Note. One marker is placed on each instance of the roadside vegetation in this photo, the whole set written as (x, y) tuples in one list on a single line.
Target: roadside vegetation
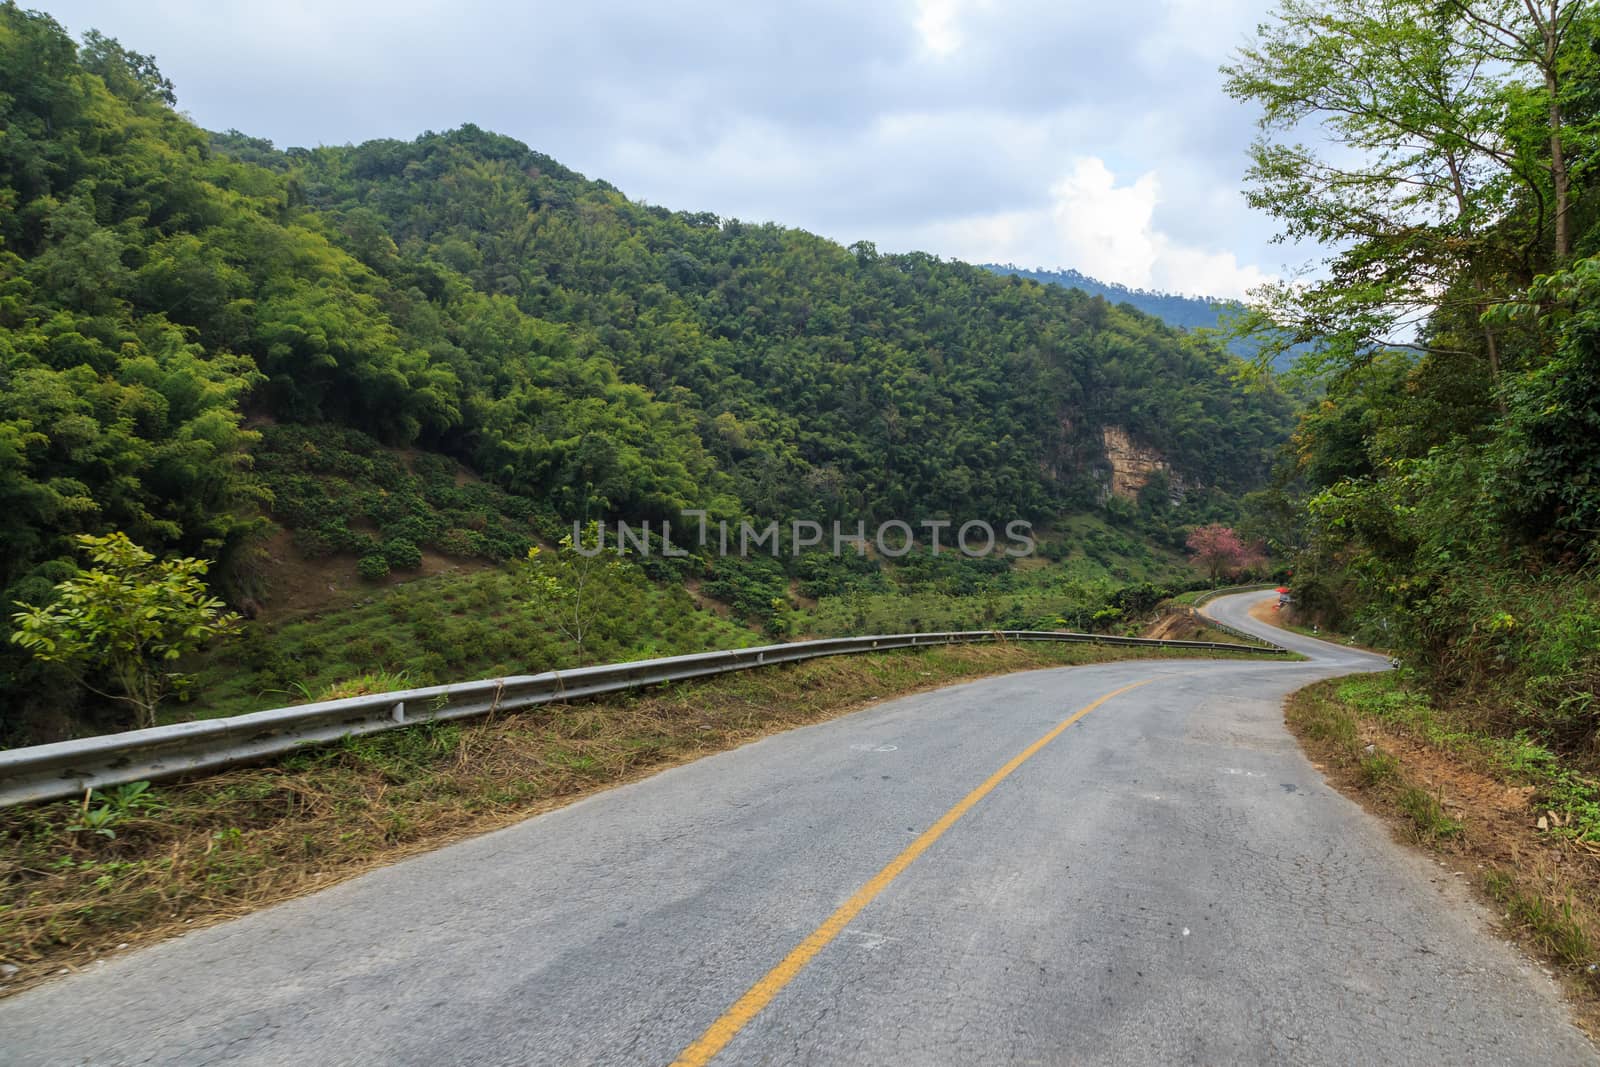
[(488, 622), (452, 627), (1440, 498), (554, 609), (1513, 817), (81, 879)]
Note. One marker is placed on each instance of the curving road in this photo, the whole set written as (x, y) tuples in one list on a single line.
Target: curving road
[(983, 874)]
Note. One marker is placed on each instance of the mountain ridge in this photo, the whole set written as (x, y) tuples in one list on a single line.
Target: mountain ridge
[(1175, 309)]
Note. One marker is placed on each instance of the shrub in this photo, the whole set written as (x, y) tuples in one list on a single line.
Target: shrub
[(461, 544), (402, 553), (128, 616), (373, 568)]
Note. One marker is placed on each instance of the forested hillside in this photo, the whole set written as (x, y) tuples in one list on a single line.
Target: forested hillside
[(457, 344), (819, 379)]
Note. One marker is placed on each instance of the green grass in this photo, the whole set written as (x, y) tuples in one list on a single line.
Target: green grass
[(1427, 816), (1378, 768), (1554, 926), (452, 627), (1327, 722), (1332, 725), (1093, 549)]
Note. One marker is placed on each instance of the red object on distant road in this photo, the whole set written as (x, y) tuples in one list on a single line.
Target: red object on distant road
[(1282, 589)]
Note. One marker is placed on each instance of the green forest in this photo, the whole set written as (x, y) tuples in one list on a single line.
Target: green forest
[(455, 347)]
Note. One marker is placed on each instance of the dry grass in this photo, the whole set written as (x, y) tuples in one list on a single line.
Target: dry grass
[(200, 851), (1462, 806)]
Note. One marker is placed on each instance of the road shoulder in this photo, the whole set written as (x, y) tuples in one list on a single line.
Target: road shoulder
[(1488, 830)]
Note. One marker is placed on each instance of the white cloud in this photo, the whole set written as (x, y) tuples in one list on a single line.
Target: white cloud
[(1105, 230), (1205, 29), (935, 23), (938, 24)]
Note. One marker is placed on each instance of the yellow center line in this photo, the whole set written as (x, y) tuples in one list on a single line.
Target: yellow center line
[(747, 1007)]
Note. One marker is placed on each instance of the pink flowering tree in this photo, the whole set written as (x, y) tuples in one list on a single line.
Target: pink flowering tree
[(1218, 551)]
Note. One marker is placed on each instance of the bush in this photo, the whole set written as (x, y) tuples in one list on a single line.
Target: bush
[(402, 554), (462, 544), (373, 568), (754, 587), (405, 517)]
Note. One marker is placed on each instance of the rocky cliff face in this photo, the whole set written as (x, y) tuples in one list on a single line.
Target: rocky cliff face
[(1132, 465)]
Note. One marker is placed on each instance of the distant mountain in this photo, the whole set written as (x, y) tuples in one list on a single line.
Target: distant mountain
[(1184, 312)]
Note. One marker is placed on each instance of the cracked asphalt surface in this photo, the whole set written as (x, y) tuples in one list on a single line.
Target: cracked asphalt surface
[(1169, 881)]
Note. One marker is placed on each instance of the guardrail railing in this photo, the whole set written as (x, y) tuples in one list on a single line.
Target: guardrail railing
[(1228, 590), (68, 768)]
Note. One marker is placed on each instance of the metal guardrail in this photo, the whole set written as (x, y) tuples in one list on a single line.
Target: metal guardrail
[(1229, 590), (68, 768)]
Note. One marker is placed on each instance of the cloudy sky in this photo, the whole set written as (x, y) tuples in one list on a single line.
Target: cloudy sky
[(1062, 133)]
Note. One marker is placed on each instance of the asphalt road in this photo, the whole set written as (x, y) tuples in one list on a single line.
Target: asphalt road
[(1165, 880)]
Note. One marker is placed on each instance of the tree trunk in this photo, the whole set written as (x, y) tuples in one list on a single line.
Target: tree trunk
[(1559, 179), (1493, 347), (1558, 176)]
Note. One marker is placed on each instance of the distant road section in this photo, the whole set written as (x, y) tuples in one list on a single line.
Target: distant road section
[(1125, 863)]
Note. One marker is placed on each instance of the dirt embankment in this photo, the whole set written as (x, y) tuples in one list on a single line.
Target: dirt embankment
[(1179, 625)]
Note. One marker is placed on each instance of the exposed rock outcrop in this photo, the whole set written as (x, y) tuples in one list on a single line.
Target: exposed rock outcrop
[(1132, 466)]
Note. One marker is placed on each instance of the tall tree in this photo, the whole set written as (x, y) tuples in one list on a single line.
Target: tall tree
[(1536, 35), (1427, 165)]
